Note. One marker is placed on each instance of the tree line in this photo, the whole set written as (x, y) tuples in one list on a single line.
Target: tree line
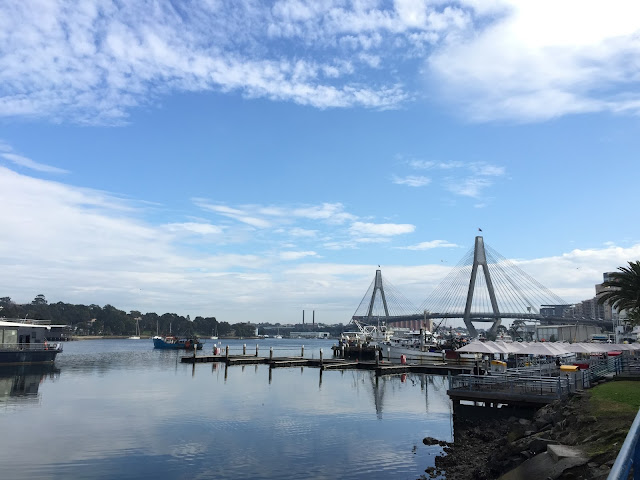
[(108, 320)]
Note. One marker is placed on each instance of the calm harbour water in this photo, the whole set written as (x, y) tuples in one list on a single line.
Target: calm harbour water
[(119, 408)]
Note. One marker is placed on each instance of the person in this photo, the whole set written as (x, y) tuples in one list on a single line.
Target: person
[(476, 369), (558, 362)]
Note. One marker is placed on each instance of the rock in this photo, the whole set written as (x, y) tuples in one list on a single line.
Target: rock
[(430, 441)]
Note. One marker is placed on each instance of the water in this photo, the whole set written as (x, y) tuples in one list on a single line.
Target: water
[(119, 408)]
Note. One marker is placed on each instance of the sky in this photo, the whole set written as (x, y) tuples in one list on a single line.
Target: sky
[(250, 159)]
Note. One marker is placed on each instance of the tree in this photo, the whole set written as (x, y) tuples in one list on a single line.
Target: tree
[(39, 300), (623, 291)]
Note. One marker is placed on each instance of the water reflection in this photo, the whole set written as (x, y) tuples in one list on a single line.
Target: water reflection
[(23, 381), (123, 410)]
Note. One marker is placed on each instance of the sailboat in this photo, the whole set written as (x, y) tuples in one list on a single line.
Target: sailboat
[(214, 337), (137, 335)]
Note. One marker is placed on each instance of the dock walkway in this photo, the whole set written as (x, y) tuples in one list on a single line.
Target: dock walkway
[(381, 367), (518, 389)]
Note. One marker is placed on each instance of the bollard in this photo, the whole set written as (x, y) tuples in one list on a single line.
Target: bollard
[(389, 354), (302, 352), (342, 351), (226, 352), (244, 348), (320, 356), (271, 354), (377, 357), (256, 349)]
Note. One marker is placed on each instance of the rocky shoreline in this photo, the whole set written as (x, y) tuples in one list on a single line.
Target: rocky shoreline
[(489, 444)]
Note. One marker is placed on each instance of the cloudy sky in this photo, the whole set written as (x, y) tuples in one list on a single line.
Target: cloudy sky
[(251, 159)]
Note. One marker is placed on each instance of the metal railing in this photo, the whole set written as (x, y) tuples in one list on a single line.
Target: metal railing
[(30, 346), (512, 383), (629, 455), (630, 365)]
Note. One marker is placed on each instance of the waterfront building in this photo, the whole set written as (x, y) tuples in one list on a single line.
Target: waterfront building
[(565, 333)]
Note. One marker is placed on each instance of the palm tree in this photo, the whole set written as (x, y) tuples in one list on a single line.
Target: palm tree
[(623, 290)]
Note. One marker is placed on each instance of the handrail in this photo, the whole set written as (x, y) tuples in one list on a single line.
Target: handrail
[(629, 455), (30, 346)]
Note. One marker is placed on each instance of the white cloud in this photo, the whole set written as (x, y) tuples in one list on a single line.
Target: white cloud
[(468, 187), (523, 60), (474, 177), (303, 232), (28, 163), (385, 229), (237, 214), (431, 244), (97, 249), (428, 165), (536, 60), (412, 181), (291, 255), (193, 227)]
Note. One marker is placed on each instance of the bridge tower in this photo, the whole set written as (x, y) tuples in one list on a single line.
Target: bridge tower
[(480, 259), (377, 287)]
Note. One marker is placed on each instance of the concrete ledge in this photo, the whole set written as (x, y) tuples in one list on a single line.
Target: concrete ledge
[(558, 452)]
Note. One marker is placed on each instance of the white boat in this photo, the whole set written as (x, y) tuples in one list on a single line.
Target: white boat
[(137, 335), (25, 343), (415, 346), (366, 334), (214, 337)]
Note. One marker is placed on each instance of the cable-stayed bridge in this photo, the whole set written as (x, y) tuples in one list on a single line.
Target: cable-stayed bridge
[(483, 287)]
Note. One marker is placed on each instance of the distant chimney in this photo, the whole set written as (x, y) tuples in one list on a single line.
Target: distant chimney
[(313, 318), (303, 318)]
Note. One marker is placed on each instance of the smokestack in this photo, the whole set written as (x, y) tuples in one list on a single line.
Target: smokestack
[(313, 318), (303, 318)]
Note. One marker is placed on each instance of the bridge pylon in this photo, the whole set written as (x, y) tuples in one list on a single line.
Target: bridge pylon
[(480, 260), (377, 287)]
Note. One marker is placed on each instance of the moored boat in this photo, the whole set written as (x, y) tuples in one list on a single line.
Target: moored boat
[(174, 343), (25, 343)]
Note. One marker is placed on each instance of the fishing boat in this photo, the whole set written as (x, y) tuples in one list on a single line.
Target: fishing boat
[(420, 347), (175, 343), (25, 344), (416, 346)]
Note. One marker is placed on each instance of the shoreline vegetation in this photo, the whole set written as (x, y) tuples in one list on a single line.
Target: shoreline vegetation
[(146, 337), (594, 422)]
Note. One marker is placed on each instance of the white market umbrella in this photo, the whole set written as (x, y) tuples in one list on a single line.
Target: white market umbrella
[(539, 349), (577, 348), (559, 347), (479, 347), (510, 347)]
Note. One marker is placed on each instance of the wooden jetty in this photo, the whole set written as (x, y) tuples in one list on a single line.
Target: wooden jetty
[(381, 367)]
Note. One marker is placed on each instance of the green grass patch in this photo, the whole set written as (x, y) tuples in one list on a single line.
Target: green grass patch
[(616, 398)]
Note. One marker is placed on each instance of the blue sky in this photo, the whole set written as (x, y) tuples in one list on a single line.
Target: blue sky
[(251, 159)]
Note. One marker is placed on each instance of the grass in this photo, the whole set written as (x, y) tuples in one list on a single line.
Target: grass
[(616, 398), (615, 405)]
